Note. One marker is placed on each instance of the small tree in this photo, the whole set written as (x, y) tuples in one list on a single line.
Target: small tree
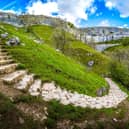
[(60, 37)]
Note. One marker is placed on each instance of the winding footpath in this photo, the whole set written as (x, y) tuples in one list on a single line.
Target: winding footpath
[(114, 97), (23, 81)]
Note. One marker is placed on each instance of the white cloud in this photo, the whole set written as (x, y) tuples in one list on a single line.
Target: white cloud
[(109, 4), (39, 8), (121, 5), (104, 23), (72, 11), (124, 26)]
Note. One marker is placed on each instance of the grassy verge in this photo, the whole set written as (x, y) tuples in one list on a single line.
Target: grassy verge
[(59, 113)]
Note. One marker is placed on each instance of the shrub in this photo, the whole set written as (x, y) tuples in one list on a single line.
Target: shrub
[(5, 104), (51, 123), (125, 41), (120, 72), (27, 99)]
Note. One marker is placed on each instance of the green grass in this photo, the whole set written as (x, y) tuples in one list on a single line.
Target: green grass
[(74, 48), (45, 33), (50, 65), (42, 32), (83, 53)]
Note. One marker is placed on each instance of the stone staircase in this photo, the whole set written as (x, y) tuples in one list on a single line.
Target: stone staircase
[(26, 82), (20, 79)]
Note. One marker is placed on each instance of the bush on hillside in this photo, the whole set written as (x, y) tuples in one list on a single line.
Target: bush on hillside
[(125, 42), (120, 72)]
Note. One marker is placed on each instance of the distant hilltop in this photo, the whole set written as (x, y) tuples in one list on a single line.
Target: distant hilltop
[(89, 34), (26, 19)]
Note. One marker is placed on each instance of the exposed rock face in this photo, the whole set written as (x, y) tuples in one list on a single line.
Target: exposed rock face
[(25, 19), (87, 35)]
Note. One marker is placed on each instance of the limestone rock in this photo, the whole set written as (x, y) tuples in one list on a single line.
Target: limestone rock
[(91, 63), (4, 36), (100, 92), (13, 41)]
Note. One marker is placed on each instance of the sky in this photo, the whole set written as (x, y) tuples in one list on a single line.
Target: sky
[(82, 13)]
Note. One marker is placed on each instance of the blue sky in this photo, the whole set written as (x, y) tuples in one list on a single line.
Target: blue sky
[(82, 13)]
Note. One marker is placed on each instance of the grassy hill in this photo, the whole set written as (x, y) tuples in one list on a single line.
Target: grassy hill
[(83, 53), (77, 50), (51, 65)]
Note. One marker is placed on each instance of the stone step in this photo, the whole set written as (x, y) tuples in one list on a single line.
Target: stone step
[(3, 53), (26, 81), (8, 68), (35, 88), (2, 45), (4, 62), (3, 50), (14, 77), (5, 57)]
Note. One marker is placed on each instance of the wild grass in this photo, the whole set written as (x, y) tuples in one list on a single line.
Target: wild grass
[(50, 65)]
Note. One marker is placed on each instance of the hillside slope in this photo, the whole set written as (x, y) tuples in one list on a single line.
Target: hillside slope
[(73, 48), (50, 65)]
